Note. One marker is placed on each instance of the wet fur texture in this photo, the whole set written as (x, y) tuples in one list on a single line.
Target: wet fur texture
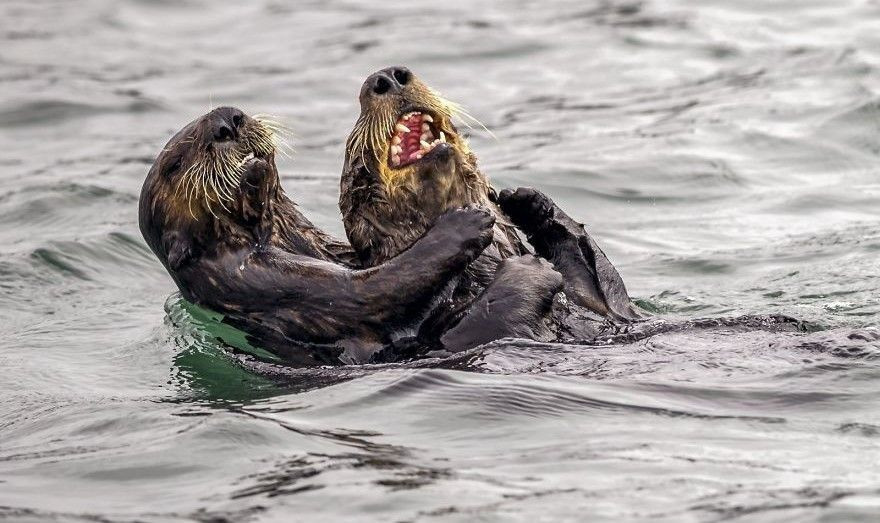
[(262, 264), (300, 293), (384, 210), (591, 281)]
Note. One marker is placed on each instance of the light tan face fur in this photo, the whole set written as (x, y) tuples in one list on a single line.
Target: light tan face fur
[(395, 134), (206, 174)]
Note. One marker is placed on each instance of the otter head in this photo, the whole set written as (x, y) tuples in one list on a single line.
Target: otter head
[(192, 196), (405, 137)]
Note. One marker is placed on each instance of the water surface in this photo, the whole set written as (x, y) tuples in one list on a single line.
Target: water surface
[(725, 155)]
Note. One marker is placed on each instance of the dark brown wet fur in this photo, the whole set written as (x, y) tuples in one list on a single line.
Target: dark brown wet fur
[(384, 209), (257, 260), (591, 281)]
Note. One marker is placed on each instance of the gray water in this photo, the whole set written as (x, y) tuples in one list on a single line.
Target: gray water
[(724, 154)]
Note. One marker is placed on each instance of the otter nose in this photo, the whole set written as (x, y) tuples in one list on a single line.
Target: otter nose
[(389, 81), (226, 123), (223, 131)]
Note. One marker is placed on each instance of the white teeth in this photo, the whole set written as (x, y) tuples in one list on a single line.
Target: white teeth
[(246, 159), (427, 141)]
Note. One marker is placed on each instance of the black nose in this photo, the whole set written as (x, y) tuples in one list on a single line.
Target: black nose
[(390, 80), (223, 131), (226, 122)]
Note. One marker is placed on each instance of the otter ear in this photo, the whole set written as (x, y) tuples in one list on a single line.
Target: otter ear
[(178, 251)]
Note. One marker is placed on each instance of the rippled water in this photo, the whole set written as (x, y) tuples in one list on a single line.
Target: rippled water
[(725, 154)]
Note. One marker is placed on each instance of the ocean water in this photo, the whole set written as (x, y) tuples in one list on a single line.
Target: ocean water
[(725, 154)]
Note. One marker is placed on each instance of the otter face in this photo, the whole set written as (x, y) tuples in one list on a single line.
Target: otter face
[(195, 182), (204, 162), (405, 131)]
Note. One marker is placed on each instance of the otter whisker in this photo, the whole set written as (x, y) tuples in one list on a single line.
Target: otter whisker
[(223, 192), (266, 117), (277, 131), (371, 131), (205, 189), (465, 117), (276, 127), (207, 194), (216, 176), (285, 149), (277, 142), (239, 164), (222, 199), (228, 176), (188, 180), (273, 135)]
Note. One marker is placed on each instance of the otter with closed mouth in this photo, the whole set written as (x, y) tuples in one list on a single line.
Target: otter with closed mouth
[(406, 163), (214, 213)]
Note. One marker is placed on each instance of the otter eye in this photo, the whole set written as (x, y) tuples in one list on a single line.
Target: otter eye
[(175, 166), (402, 76)]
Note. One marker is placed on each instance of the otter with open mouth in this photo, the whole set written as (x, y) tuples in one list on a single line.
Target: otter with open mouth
[(406, 163), (214, 213)]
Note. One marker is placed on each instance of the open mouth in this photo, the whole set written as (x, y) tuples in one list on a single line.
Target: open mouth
[(246, 159), (415, 136), (252, 156)]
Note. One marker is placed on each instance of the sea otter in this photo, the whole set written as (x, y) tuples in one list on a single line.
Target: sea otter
[(213, 212), (406, 164)]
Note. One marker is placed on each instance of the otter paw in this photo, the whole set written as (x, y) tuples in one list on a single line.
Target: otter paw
[(255, 189), (529, 208), (256, 172), (472, 227)]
